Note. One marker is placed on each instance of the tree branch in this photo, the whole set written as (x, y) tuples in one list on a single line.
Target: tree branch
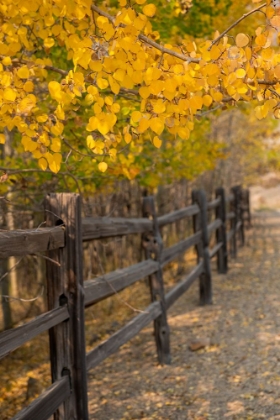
[(149, 41), (215, 41)]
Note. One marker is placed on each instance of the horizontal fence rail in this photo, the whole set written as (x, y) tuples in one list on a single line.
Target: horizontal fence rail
[(30, 241), (69, 295), (45, 405), (14, 338)]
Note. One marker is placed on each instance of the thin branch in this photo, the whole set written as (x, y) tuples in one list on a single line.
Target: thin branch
[(215, 41), (149, 41), (23, 300), (18, 171), (11, 269), (114, 290), (46, 258)]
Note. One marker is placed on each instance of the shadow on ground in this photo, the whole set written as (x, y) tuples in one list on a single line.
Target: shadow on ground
[(236, 377)]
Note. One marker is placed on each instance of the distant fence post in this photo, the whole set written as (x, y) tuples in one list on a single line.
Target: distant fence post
[(246, 207), (221, 235), (65, 287), (152, 244), (241, 214), (200, 223), (234, 221)]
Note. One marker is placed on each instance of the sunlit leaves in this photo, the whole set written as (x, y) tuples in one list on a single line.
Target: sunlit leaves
[(123, 86)]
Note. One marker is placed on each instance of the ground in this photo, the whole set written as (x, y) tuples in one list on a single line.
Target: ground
[(236, 376)]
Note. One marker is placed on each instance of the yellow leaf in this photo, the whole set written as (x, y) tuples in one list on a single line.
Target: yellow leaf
[(23, 72), (159, 107), (2, 138), (57, 129), (144, 92), (7, 61), (103, 127), (157, 125), (49, 42), (55, 90), (42, 118), (240, 73), (196, 102), (275, 21), (149, 10), (90, 142), (136, 116), (102, 83), (28, 86), (56, 144), (102, 166), (207, 100), (157, 142), (43, 164), (9, 94), (143, 126), (241, 40), (127, 138), (56, 163)]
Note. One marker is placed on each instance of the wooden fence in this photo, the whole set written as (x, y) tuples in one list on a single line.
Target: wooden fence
[(68, 294)]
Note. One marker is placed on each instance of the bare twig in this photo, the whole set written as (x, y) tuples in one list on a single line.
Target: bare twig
[(46, 258), (11, 269), (22, 299), (114, 290), (257, 9)]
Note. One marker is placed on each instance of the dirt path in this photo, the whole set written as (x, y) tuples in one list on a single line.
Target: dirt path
[(236, 377)]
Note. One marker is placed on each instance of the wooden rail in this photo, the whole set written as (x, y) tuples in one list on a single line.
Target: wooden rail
[(68, 294), (32, 241)]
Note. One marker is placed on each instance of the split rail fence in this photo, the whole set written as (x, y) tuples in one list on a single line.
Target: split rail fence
[(68, 294)]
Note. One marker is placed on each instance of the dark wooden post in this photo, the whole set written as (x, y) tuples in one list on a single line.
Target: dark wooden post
[(152, 244), (241, 214), (200, 224), (65, 287), (234, 221), (221, 235), (246, 204)]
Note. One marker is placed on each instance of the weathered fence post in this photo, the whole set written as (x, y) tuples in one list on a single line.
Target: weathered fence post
[(234, 221), (241, 214), (200, 224), (246, 207), (65, 287), (221, 235), (152, 244)]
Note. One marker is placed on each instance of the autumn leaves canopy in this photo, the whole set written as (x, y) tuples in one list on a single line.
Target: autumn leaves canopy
[(60, 59)]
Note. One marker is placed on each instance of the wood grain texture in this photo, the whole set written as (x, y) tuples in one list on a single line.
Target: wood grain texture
[(106, 227), (177, 215), (65, 285), (105, 286), (176, 250), (110, 346), (184, 285), (47, 403), (15, 337), (30, 241)]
